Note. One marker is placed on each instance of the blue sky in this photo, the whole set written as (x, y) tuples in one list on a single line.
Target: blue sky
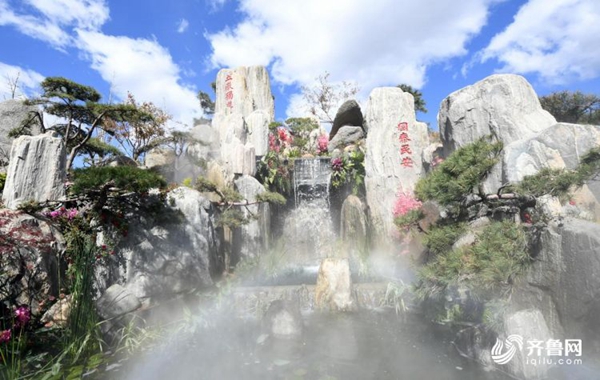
[(165, 51)]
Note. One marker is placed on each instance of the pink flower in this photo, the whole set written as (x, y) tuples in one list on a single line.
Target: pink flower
[(337, 164), (405, 203), (23, 315), (72, 213), (4, 336), (322, 143), (572, 202)]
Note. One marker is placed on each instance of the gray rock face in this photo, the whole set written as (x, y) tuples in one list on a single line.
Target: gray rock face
[(530, 325), (258, 131), (36, 170), (353, 223), (116, 301), (349, 113), (345, 136), (252, 239), (33, 272), (334, 285), (12, 114), (395, 143), (559, 146), (504, 105), (172, 255)]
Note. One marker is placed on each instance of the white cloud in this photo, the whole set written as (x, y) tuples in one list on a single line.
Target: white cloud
[(33, 26), (557, 39), (142, 67), (182, 26), (384, 42), (27, 81), (83, 14)]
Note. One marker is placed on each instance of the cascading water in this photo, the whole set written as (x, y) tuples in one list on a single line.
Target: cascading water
[(308, 228)]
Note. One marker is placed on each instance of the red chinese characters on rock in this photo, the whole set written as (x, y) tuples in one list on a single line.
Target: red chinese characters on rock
[(405, 150), (229, 91)]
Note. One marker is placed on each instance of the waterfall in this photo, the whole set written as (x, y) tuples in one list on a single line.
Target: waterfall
[(308, 228)]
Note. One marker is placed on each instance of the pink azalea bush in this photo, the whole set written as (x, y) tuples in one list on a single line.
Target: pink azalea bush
[(405, 202), (322, 144)]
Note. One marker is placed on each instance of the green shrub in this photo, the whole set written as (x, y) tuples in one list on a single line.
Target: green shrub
[(498, 255), (460, 173), (440, 239), (271, 197), (559, 182), (232, 218), (126, 178)]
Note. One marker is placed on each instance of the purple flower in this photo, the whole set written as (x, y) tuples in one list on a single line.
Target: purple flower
[(4, 336), (55, 214), (23, 315)]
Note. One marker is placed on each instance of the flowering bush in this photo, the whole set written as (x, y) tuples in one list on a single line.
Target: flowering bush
[(405, 203), (407, 209), (279, 139), (322, 144), (62, 212)]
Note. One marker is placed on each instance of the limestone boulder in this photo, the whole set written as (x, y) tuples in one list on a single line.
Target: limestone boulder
[(252, 239), (349, 113), (334, 285), (12, 114), (353, 223), (36, 171), (503, 105), (345, 136), (394, 147)]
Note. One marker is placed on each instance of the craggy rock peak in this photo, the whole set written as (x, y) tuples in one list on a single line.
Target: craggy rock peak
[(243, 111), (504, 105), (244, 90), (348, 114), (36, 171), (12, 114), (395, 144)]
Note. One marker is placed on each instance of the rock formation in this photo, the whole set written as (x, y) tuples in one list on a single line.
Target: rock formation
[(349, 113), (345, 136), (12, 114), (395, 143), (334, 285), (503, 105), (36, 171), (171, 253), (243, 111)]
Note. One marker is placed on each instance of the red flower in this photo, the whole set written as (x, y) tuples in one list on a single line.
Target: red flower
[(5, 336)]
